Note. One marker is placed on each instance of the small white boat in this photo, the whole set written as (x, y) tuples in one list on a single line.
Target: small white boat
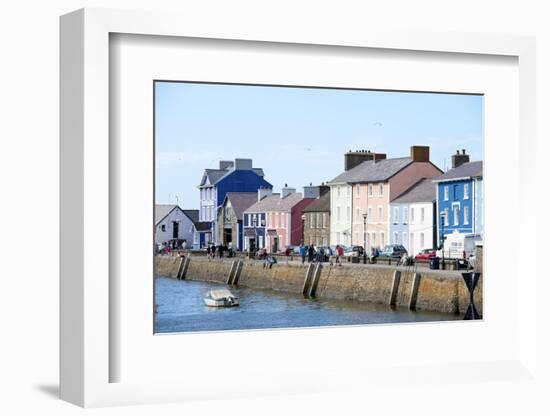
[(221, 298)]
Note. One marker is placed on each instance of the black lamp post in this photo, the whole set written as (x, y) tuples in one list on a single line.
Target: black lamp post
[(365, 238), (442, 244)]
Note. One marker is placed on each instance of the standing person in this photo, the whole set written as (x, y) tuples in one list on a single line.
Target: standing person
[(213, 251), (208, 252), (339, 253), (303, 253), (310, 253)]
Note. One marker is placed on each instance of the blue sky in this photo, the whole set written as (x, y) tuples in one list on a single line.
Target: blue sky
[(299, 135)]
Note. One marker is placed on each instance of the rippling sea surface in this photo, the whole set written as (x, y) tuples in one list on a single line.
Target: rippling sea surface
[(180, 308)]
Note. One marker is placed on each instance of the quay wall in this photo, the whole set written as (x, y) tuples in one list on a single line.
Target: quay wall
[(437, 290)]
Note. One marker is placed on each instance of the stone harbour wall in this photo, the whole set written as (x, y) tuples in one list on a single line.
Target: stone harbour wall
[(433, 290)]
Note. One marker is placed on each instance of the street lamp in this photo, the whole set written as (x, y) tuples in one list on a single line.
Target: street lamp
[(442, 244), (365, 237)]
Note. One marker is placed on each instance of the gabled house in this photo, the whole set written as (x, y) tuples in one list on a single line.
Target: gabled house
[(172, 223), (231, 176), (360, 196), (230, 218)]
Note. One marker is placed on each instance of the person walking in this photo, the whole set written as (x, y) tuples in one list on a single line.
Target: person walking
[(303, 253), (213, 251), (208, 251), (339, 253), (310, 253)]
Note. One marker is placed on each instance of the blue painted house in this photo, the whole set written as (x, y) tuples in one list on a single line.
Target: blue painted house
[(237, 176), (460, 204)]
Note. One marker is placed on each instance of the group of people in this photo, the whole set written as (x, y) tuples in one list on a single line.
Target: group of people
[(320, 254), (212, 251)]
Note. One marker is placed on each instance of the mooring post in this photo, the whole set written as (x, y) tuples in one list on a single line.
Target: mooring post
[(471, 280), (186, 262), (231, 272), (307, 279), (180, 268), (414, 291), (315, 280), (394, 287)]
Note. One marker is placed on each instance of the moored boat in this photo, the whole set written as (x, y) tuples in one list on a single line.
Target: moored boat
[(220, 298)]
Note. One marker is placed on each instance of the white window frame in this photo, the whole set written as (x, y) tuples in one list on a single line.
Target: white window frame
[(446, 192), (466, 215), (466, 190), (456, 215), (396, 215)]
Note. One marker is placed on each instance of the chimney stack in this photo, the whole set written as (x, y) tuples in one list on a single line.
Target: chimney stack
[(354, 158), (459, 158), (264, 192), (226, 164), (243, 164), (286, 191), (420, 153)]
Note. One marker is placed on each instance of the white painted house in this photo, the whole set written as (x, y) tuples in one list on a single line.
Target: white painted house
[(172, 222), (413, 218)]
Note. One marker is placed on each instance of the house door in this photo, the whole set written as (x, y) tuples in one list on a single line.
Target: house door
[(227, 236), (275, 246), (176, 226)]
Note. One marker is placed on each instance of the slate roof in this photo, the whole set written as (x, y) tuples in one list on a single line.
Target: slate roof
[(423, 191), (371, 171), (193, 215), (215, 175), (466, 170), (241, 201), (274, 202), (162, 210), (321, 204)]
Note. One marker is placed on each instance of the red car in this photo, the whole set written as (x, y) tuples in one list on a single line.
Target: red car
[(426, 254)]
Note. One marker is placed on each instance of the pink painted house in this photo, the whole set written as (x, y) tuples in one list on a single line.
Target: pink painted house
[(283, 218)]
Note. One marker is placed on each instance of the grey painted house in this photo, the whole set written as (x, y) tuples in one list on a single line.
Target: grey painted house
[(172, 222)]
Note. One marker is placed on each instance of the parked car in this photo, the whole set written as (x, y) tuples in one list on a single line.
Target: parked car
[(355, 251), (426, 254), (394, 251)]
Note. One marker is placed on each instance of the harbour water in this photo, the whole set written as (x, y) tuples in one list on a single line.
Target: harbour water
[(180, 308)]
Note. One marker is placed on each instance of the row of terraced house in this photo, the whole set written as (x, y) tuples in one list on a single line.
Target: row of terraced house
[(375, 201)]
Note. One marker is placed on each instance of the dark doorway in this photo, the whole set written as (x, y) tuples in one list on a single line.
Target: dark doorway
[(176, 229), (227, 236), (275, 247)]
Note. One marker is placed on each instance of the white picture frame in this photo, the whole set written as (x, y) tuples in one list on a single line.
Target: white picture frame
[(86, 353)]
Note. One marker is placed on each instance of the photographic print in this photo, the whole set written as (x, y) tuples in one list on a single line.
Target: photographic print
[(294, 207)]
